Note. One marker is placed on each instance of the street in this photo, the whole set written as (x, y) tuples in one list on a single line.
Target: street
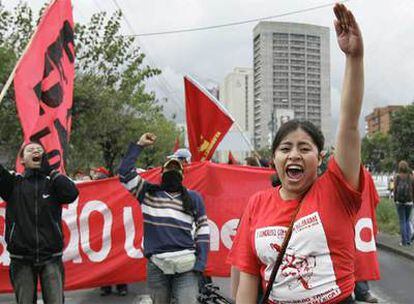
[(397, 277), (396, 286)]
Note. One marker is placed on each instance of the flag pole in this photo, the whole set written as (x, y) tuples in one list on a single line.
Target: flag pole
[(244, 136), (218, 103), (11, 76)]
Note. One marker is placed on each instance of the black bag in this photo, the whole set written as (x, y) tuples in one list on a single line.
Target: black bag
[(403, 189)]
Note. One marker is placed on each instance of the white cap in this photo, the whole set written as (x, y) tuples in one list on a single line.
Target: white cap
[(181, 154)]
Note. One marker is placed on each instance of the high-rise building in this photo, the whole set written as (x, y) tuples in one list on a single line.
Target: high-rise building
[(291, 71), (236, 93)]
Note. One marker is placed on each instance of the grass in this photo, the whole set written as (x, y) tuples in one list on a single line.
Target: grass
[(387, 217)]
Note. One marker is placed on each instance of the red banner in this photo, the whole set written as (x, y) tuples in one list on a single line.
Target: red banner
[(103, 229), (44, 83), (366, 262), (207, 121)]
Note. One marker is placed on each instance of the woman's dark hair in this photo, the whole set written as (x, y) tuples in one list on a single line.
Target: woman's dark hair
[(21, 151), (293, 125), (403, 167)]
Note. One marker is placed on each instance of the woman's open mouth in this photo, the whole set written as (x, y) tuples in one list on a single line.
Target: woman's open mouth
[(294, 172)]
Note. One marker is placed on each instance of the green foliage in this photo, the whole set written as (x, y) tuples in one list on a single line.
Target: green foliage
[(387, 217), (376, 152), (111, 106), (402, 133), (11, 133)]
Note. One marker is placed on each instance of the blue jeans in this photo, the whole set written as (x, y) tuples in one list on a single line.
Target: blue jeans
[(183, 287), (404, 212), (24, 277)]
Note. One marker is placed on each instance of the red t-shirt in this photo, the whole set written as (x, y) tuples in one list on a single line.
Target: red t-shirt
[(318, 266)]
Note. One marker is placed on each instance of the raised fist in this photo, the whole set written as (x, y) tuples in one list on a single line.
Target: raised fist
[(147, 139)]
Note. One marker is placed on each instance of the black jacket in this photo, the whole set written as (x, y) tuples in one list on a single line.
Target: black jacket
[(34, 213)]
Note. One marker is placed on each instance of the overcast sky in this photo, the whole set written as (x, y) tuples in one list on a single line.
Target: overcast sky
[(387, 27)]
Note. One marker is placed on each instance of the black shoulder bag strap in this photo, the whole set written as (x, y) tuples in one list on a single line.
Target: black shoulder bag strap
[(280, 256)]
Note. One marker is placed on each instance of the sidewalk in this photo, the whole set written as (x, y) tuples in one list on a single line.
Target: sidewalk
[(391, 243)]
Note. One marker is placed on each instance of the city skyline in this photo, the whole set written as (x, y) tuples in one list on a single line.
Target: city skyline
[(210, 55)]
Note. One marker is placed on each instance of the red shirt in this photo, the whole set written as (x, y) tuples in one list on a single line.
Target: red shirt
[(318, 266)]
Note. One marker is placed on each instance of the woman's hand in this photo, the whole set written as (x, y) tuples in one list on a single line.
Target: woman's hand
[(348, 32)]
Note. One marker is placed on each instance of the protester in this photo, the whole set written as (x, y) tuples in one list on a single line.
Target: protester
[(33, 225), (319, 262), (81, 176), (121, 289), (99, 173), (183, 155), (391, 188), (234, 272), (403, 198), (252, 161), (172, 215)]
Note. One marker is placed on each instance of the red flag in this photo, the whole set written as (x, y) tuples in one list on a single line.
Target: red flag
[(44, 83), (177, 144), (232, 160), (366, 259), (207, 120)]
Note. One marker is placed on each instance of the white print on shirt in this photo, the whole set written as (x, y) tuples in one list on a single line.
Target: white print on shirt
[(306, 274)]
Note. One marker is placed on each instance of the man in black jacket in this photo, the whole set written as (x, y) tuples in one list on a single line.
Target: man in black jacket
[(33, 225)]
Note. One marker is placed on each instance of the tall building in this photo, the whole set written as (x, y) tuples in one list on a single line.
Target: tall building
[(236, 93), (291, 71), (380, 119)]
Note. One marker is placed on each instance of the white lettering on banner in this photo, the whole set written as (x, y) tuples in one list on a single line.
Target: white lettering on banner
[(361, 245), (129, 225), (4, 257), (69, 216), (79, 236), (228, 230), (214, 236), (101, 207)]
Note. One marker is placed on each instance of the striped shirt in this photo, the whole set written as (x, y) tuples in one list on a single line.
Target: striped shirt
[(167, 227)]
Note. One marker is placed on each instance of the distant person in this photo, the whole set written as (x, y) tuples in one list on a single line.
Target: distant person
[(391, 188), (252, 161), (99, 173), (183, 155), (403, 198), (81, 176), (33, 234), (176, 231)]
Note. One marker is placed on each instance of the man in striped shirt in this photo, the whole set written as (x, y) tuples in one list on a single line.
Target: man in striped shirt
[(176, 232)]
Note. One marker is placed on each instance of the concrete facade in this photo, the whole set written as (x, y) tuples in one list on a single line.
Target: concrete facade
[(291, 71), (236, 93)]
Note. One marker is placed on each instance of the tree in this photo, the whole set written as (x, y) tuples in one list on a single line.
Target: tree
[(402, 134), (15, 29), (110, 93), (111, 106), (376, 152)]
